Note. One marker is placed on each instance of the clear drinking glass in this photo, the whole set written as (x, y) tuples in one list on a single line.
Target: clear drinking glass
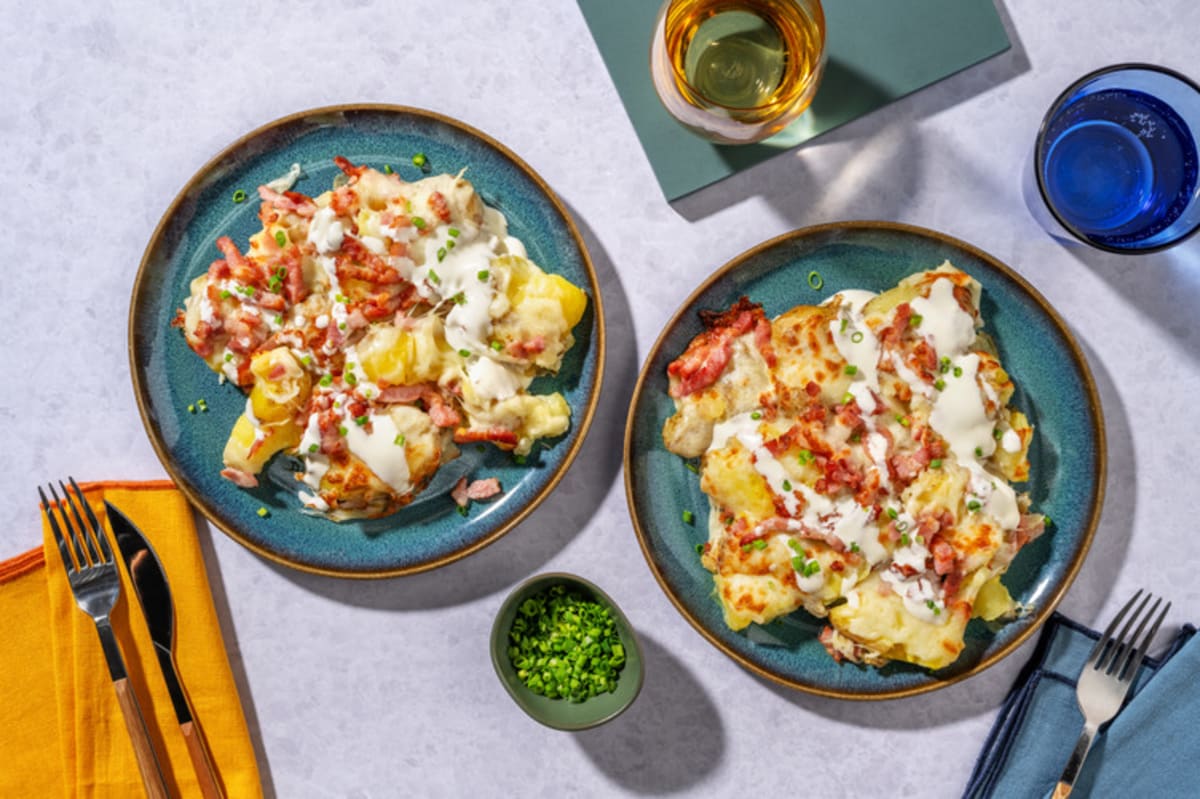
[(737, 71), (1116, 158)]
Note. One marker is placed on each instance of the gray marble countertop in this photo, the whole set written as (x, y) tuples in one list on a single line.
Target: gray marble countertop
[(384, 688)]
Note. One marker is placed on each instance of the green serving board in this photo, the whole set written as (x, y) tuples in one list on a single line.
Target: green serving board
[(878, 51)]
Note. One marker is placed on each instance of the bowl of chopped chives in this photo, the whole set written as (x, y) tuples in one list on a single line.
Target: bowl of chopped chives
[(565, 652)]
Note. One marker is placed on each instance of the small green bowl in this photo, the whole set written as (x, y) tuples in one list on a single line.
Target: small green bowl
[(560, 713)]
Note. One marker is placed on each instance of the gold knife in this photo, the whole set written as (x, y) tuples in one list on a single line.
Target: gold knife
[(154, 595)]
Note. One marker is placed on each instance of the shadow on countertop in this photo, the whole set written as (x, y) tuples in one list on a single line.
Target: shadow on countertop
[(669, 740)]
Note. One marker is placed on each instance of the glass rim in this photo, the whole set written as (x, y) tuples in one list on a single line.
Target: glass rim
[(1059, 101)]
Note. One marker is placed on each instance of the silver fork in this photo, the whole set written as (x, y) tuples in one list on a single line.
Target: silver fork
[(96, 584), (1109, 673)]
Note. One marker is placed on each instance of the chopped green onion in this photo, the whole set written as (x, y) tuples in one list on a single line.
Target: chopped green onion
[(462, 510), (974, 505), (905, 540), (239, 196), (449, 244), (847, 398), (399, 440), (811, 568), (929, 603), (387, 169), (519, 460), (326, 379), (418, 223), (191, 408), (688, 517), (433, 277), (441, 254), (281, 238), (939, 384), (263, 512), (936, 463), (419, 160), (452, 232), (745, 547), (903, 420), (460, 298), (851, 369), (915, 320), (856, 336), (483, 275), (497, 346), (854, 546), (805, 456), (944, 365), (787, 485), (314, 447), (979, 452), (760, 544), (756, 415), (342, 430), (845, 322), (691, 467), (225, 294), (350, 378), (958, 371), (306, 360), (699, 549), (815, 281), (279, 319), (892, 513), (901, 526), (996, 434), (465, 353), (795, 545), (855, 437), (228, 357), (342, 298), (361, 421)]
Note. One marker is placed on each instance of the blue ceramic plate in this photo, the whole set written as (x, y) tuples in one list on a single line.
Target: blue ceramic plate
[(1054, 389), (168, 377)]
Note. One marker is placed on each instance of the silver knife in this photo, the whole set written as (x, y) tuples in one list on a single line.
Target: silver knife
[(154, 594)]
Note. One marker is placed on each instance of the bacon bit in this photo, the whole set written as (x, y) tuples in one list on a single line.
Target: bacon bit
[(812, 389), (349, 168), (1029, 527), (708, 353), (272, 302), (829, 642), (762, 340), (218, 270), (459, 493), (396, 394), (924, 357), (905, 467), (483, 489), (441, 413), (951, 584), (437, 203), (356, 262), (240, 266), (525, 349), (278, 371), (943, 555), (288, 201), (343, 200), (294, 287), (850, 415), (239, 477), (506, 439)]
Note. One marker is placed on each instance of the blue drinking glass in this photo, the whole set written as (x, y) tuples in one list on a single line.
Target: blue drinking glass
[(1116, 158)]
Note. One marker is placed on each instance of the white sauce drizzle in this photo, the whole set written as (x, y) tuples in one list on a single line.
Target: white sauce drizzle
[(325, 232)]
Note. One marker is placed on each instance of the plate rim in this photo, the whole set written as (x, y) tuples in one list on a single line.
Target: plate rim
[(195, 496), (1100, 459)]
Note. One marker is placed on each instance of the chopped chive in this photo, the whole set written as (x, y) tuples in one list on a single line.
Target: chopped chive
[(691, 467), (688, 518), (497, 346), (842, 329), (452, 232), (958, 371), (460, 298), (979, 452), (263, 512), (921, 539), (441, 254), (483, 275), (281, 238), (815, 281), (787, 485), (795, 545), (915, 320), (974, 505), (932, 606), (418, 223), (350, 378), (192, 408), (465, 353), (760, 544), (239, 196), (279, 319), (342, 298), (699, 549), (462, 510), (855, 438), (419, 160), (399, 440), (854, 546), (847, 398), (756, 415), (314, 447), (851, 369), (901, 526), (228, 357), (939, 384), (433, 277), (936, 463), (892, 513), (225, 294), (326, 379), (905, 540), (805, 456), (811, 568), (903, 420), (519, 460), (745, 547), (996, 434), (449, 244), (944, 365), (362, 420), (856, 336), (342, 430), (306, 360)]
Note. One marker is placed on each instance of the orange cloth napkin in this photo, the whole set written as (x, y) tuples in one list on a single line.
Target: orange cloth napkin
[(63, 733)]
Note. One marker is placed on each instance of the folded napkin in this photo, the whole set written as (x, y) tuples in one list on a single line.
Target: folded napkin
[(1149, 749), (63, 732)]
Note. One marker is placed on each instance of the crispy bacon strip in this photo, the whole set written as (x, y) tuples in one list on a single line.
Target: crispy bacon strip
[(506, 439), (289, 201), (708, 353)]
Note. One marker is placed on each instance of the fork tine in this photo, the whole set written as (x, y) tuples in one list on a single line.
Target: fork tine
[(68, 562), (93, 555), (1125, 652), (1106, 637), (1134, 661), (1124, 642), (97, 530), (77, 550)]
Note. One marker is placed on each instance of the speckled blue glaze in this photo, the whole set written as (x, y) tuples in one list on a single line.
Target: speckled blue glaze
[(168, 376), (1054, 389)]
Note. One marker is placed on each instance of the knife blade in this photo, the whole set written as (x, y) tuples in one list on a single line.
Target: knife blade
[(154, 595)]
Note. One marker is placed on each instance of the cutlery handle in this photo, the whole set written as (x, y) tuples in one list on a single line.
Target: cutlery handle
[(1067, 781), (210, 786), (142, 748)]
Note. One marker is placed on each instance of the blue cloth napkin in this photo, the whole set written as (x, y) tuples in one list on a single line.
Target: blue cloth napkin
[(1152, 747)]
